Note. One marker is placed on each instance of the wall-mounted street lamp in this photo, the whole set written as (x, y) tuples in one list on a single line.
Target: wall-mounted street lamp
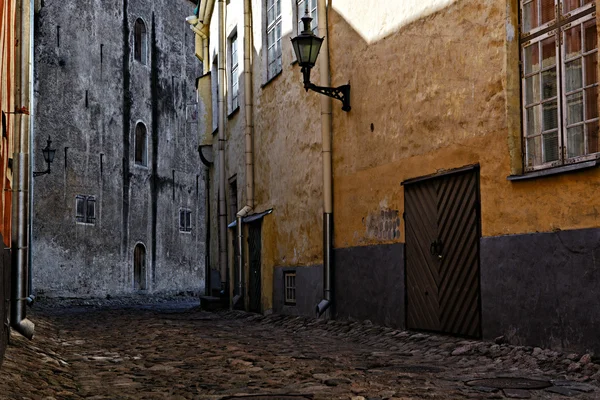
[(307, 47), (48, 157)]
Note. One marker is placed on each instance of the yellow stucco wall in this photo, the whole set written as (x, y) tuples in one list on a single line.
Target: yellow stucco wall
[(434, 87)]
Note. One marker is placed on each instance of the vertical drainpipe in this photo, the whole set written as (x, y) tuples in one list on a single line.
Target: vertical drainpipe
[(20, 199), (30, 296), (249, 115), (221, 194), (325, 80)]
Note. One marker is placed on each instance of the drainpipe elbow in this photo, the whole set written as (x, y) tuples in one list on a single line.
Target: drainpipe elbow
[(25, 327), (244, 212), (322, 307)]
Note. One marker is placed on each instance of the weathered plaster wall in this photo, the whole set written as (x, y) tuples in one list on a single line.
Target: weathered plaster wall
[(542, 289), (287, 149), (90, 95), (437, 99), (7, 108)]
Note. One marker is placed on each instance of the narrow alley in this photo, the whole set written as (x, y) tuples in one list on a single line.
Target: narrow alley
[(167, 348)]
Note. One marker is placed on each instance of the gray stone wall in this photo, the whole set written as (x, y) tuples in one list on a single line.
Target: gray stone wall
[(369, 284), (542, 289), (309, 290), (90, 92)]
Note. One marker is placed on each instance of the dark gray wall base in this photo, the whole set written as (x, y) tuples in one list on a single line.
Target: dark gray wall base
[(309, 290), (543, 289), (369, 284)]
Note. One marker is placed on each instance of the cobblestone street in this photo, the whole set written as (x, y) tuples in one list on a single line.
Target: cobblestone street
[(173, 350)]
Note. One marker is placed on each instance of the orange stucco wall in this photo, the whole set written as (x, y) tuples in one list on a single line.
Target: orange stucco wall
[(433, 94)]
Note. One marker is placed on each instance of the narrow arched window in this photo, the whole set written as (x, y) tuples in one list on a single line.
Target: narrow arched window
[(141, 145), (141, 41)]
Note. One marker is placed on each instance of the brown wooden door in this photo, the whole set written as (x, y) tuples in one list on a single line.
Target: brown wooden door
[(442, 253)]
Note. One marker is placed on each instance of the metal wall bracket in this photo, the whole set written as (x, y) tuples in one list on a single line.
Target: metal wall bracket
[(341, 93)]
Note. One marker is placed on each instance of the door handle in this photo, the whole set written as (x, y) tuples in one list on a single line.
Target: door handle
[(436, 248)]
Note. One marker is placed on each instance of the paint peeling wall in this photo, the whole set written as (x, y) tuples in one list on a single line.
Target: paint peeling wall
[(90, 94), (7, 107), (431, 93)]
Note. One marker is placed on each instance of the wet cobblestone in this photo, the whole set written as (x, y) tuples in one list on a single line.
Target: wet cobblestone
[(169, 349)]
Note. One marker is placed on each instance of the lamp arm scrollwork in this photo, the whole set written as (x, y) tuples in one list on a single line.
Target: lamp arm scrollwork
[(341, 93)]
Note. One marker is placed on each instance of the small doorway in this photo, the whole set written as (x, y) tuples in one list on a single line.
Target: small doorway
[(139, 267), (442, 217), (254, 248)]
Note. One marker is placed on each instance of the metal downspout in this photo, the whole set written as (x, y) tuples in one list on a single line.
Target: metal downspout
[(325, 80), (30, 295), (249, 130), (222, 205), (20, 199)]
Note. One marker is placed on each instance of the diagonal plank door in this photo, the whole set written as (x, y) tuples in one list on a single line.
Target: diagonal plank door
[(442, 254), (422, 269), (458, 233)]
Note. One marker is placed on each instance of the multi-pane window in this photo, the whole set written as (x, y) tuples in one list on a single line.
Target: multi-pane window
[(85, 209), (185, 220), (141, 145), (273, 38), (289, 287), (312, 9), (560, 82), (141, 41), (235, 74)]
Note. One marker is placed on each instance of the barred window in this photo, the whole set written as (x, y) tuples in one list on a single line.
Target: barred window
[(273, 38), (185, 220), (559, 55), (85, 209), (289, 287)]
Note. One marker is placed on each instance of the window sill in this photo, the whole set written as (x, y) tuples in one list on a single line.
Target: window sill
[(267, 83), (554, 171), (233, 113)]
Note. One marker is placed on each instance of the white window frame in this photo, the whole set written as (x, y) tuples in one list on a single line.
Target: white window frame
[(234, 71), (289, 288), (186, 227), (313, 10), (89, 204), (273, 25), (556, 28)]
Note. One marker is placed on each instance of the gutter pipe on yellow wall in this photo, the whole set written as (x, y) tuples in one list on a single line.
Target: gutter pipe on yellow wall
[(249, 131), (325, 80), (222, 210), (21, 183)]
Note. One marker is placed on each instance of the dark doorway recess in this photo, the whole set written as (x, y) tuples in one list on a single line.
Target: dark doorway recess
[(254, 248), (442, 217), (139, 267)]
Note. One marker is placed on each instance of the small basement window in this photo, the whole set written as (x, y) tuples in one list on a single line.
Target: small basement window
[(85, 209), (289, 287), (185, 220)]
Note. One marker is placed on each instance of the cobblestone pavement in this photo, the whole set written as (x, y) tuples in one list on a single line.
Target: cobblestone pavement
[(173, 350)]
